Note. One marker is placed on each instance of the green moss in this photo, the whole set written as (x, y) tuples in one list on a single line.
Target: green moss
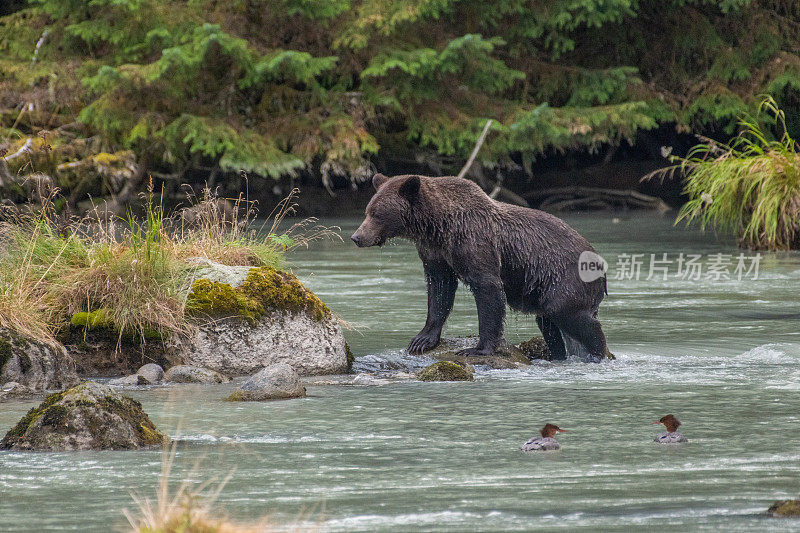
[(6, 352), (265, 289), (220, 299), (18, 432), (445, 371), (94, 320), (350, 357), (132, 413), (150, 435), (56, 415), (236, 396), (281, 291), (785, 508), (102, 319)]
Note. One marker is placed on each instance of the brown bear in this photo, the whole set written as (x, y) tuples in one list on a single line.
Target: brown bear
[(505, 254)]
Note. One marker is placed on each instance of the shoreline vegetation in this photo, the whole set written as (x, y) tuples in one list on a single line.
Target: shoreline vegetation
[(130, 275), (95, 96), (749, 186)]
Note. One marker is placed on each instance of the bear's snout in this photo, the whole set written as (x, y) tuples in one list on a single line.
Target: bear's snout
[(356, 238)]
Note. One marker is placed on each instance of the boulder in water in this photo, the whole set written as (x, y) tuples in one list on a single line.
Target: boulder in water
[(447, 371), (275, 382), (34, 364), (89, 416), (785, 509), (506, 356), (252, 317), (152, 372), (193, 374)]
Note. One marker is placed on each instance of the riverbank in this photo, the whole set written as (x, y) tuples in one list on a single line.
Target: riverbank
[(395, 454), (119, 293)]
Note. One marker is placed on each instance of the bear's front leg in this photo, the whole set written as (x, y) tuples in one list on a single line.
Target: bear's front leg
[(491, 302), (442, 284)]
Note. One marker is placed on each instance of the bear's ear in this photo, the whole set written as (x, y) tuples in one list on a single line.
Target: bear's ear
[(410, 189), (378, 180)]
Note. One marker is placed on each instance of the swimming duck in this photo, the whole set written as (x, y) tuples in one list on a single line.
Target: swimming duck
[(671, 436), (546, 442)]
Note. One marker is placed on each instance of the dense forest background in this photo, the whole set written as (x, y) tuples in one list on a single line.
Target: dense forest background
[(97, 96)]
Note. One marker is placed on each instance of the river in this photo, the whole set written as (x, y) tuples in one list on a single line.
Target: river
[(722, 355)]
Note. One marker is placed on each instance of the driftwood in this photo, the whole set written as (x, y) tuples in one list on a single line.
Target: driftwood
[(476, 149), (24, 149), (566, 198)]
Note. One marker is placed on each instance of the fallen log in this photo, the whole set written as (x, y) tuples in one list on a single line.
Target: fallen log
[(561, 198)]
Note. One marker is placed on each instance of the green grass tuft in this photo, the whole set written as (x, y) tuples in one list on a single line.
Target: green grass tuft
[(750, 186)]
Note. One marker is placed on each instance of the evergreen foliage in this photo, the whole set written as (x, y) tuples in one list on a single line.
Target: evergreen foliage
[(273, 87)]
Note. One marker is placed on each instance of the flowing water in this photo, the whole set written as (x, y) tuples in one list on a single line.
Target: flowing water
[(721, 355)]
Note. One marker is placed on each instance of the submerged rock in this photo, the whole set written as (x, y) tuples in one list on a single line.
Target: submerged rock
[(447, 371), (785, 509), (152, 372), (249, 318), (506, 356), (89, 416), (535, 348), (275, 382), (34, 364), (193, 374)]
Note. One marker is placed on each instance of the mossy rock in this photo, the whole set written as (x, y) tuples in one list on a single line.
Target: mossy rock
[(350, 357), (506, 356), (88, 416), (446, 371), (264, 290), (6, 351), (34, 363), (785, 509), (535, 348)]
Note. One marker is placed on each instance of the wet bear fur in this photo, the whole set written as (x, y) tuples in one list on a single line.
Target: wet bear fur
[(505, 254)]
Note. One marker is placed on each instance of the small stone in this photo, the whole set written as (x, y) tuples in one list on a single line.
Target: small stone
[(193, 374), (12, 389), (275, 382), (134, 380), (89, 416), (446, 371), (151, 372), (785, 509)]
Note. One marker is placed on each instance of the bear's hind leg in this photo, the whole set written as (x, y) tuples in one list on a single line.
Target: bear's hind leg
[(552, 336), (586, 329)]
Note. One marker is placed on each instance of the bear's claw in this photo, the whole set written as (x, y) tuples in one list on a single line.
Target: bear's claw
[(422, 343)]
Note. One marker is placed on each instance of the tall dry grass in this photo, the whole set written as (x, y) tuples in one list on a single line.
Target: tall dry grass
[(189, 508), (133, 269)]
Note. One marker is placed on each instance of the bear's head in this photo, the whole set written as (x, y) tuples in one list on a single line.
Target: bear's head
[(388, 212)]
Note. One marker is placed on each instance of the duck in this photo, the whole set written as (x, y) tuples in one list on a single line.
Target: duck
[(546, 442), (671, 436)]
